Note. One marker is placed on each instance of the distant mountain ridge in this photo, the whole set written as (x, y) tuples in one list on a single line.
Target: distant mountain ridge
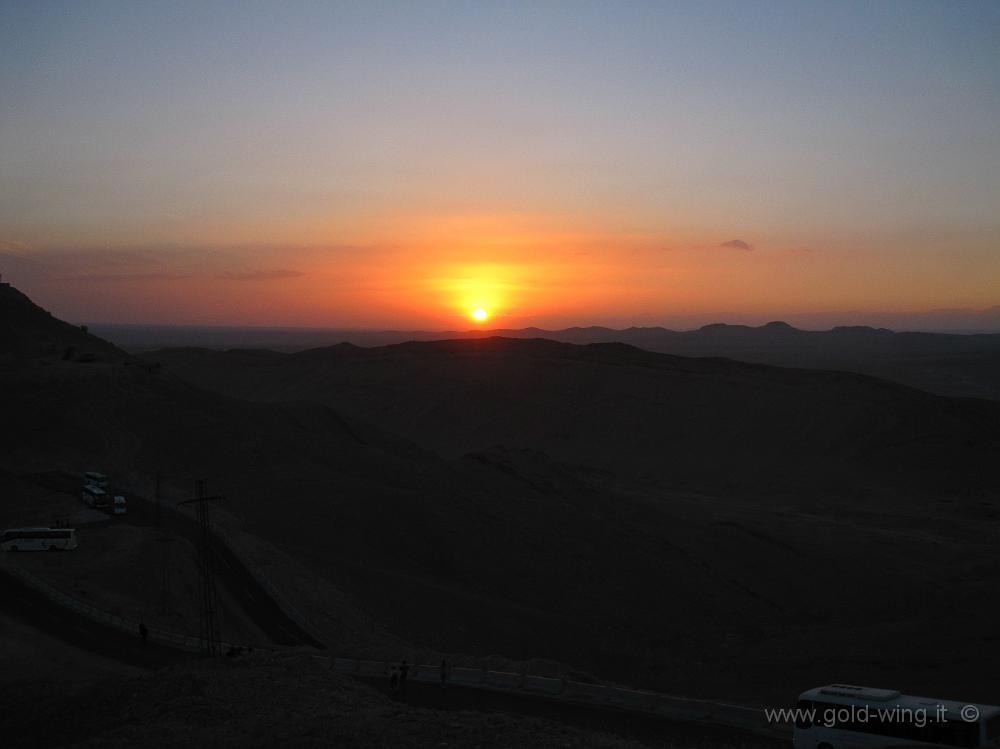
[(943, 363)]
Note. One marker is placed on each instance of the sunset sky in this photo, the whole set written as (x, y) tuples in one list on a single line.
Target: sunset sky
[(400, 165)]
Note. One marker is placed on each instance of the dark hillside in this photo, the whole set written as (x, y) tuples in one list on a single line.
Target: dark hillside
[(699, 423), (29, 332), (956, 365), (828, 534)]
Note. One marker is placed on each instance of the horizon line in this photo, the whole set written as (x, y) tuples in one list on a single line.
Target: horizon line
[(995, 330)]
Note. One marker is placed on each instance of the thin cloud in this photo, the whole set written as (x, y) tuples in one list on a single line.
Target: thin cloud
[(13, 246), (254, 275), (19, 268), (154, 263), (737, 244), (258, 275), (113, 277)]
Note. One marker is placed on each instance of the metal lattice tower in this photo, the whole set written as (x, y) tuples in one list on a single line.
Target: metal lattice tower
[(210, 625), (166, 603), (156, 503), (165, 541)]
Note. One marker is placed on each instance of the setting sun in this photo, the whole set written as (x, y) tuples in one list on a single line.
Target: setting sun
[(479, 314)]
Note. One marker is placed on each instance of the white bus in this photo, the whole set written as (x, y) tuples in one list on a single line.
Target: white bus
[(95, 497), (38, 539), (843, 716)]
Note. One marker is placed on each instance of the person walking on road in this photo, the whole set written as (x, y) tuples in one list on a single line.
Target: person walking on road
[(444, 672), (143, 632)]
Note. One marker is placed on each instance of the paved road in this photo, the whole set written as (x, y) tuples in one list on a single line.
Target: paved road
[(38, 611), (620, 722), (33, 608), (238, 581)]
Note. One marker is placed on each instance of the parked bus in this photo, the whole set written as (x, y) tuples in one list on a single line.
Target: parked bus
[(38, 539), (93, 478), (95, 497), (843, 716)]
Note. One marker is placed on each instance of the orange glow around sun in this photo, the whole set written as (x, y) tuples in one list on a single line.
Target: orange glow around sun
[(479, 314)]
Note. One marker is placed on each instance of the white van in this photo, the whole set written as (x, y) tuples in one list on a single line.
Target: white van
[(95, 497)]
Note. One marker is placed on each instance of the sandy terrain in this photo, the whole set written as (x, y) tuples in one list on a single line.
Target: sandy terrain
[(121, 566), (294, 702), (29, 658), (859, 544)]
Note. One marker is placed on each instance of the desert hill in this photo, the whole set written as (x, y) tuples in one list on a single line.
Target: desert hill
[(709, 424), (29, 332), (576, 540), (674, 516), (943, 363), (266, 701)]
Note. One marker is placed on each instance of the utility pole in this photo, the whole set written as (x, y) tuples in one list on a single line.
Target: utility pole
[(165, 545), (210, 628), (156, 502)]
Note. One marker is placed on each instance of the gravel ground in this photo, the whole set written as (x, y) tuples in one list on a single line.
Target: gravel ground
[(266, 700)]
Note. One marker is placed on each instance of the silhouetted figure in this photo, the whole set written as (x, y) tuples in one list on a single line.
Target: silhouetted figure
[(143, 632), (404, 671), (444, 672), (393, 680)]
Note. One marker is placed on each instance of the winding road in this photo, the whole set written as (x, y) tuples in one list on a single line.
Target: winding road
[(33, 608)]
